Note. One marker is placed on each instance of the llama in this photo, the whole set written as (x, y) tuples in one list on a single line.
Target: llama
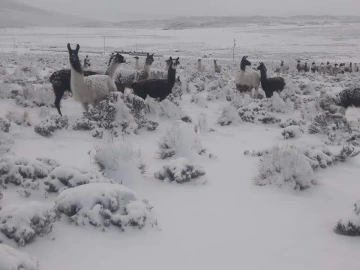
[(306, 68), (125, 78), (314, 68), (137, 63), (200, 67), (87, 64), (322, 68), (300, 67), (60, 79), (217, 67), (334, 70), (356, 67), (348, 98), (158, 88), (245, 82), (87, 90), (348, 69), (270, 85), (284, 68)]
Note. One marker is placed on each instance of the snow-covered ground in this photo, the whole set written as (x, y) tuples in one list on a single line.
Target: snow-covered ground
[(223, 219)]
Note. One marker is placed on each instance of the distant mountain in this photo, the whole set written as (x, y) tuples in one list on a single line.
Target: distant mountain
[(15, 14)]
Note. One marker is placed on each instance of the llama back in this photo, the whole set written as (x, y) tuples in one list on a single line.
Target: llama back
[(99, 87)]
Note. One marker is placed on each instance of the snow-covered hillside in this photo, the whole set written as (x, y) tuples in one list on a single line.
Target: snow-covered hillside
[(205, 179)]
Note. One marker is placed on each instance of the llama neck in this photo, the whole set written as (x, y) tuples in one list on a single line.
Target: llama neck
[(171, 75), (263, 75), (137, 64), (242, 67), (199, 66), (147, 68), (110, 71), (77, 81)]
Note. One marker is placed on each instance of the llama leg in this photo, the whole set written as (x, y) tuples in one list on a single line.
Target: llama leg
[(59, 93), (256, 92), (85, 106)]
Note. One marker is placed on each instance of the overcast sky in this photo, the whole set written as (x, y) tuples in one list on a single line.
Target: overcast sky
[(109, 9)]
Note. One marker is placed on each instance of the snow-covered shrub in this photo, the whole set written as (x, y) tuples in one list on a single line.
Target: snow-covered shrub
[(229, 115), (199, 100), (5, 142), (170, 110), (32, 95), (23, 171), (292, 122), (120, 161), (346, 152), (24, 222), (103, 205), (181, 170), (64, 177), (277, 104), (285, 166), (309, 107), (119, 111), (291, 132), (319, 156), (4, 125), (19, 118), (327, 123), (351, 225), (327, 103), (180, 140), (176, 93), (257, 112), (44, 112), (12, 259), (48, 126), (239, 101)]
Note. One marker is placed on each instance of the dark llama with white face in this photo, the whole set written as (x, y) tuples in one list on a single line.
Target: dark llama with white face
[(270, 85), (158, 88)]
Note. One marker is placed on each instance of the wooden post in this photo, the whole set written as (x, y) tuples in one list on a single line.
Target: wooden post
[(234, 49), (104, 46)]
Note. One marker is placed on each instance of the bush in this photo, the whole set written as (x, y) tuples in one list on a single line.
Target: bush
[(120, 161), (24, 222), (181, 170), (228, 116), (4, 125), (64, 177), (285, 166), (35, 96), (291, 132), (351, 225), (19, 118), (103, 205), (22, 171), (346, 152), (11, 259), (5, 142), (48, 126), (326, 123), (180, 140), (319, 157)]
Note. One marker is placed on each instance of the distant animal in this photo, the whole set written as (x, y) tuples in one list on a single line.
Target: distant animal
[(306, 68), (356, 68), (137, 63), (246, 81), (158, 88), (314, 68), (348, 69), (283, 67), (322, 69), (270, 85), (60, 79), (87, 64), (334, 70), (88, 90), (300, 67), (348, 98), (126, 78), (200, 67), (217, 67)]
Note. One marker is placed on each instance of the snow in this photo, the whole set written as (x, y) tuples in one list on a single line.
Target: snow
[(11, 259), (227, 223)]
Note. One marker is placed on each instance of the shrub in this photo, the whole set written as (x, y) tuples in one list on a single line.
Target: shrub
[(181, 170), (48, 126), (180, 140), (4, 125), (103, 205), (24, 222), (285, 166), (229, 116), (351, 225), (291, 132)]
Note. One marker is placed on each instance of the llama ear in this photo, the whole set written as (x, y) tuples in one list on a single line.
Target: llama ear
[(69, 47), (77, 48), (177, 59), (170, 58), (152, 54)]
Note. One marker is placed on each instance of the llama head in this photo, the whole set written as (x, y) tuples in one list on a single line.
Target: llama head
[(328, 63), (313, 63), (336, 65), (261, 67), (282, 63), (118, 58), (199, 60), (149, 59), (244, 63), (215, 62), (174, 62), (136, 57), (74, 58)]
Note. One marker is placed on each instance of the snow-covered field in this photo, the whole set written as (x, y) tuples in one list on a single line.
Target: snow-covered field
[(255, 184)]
